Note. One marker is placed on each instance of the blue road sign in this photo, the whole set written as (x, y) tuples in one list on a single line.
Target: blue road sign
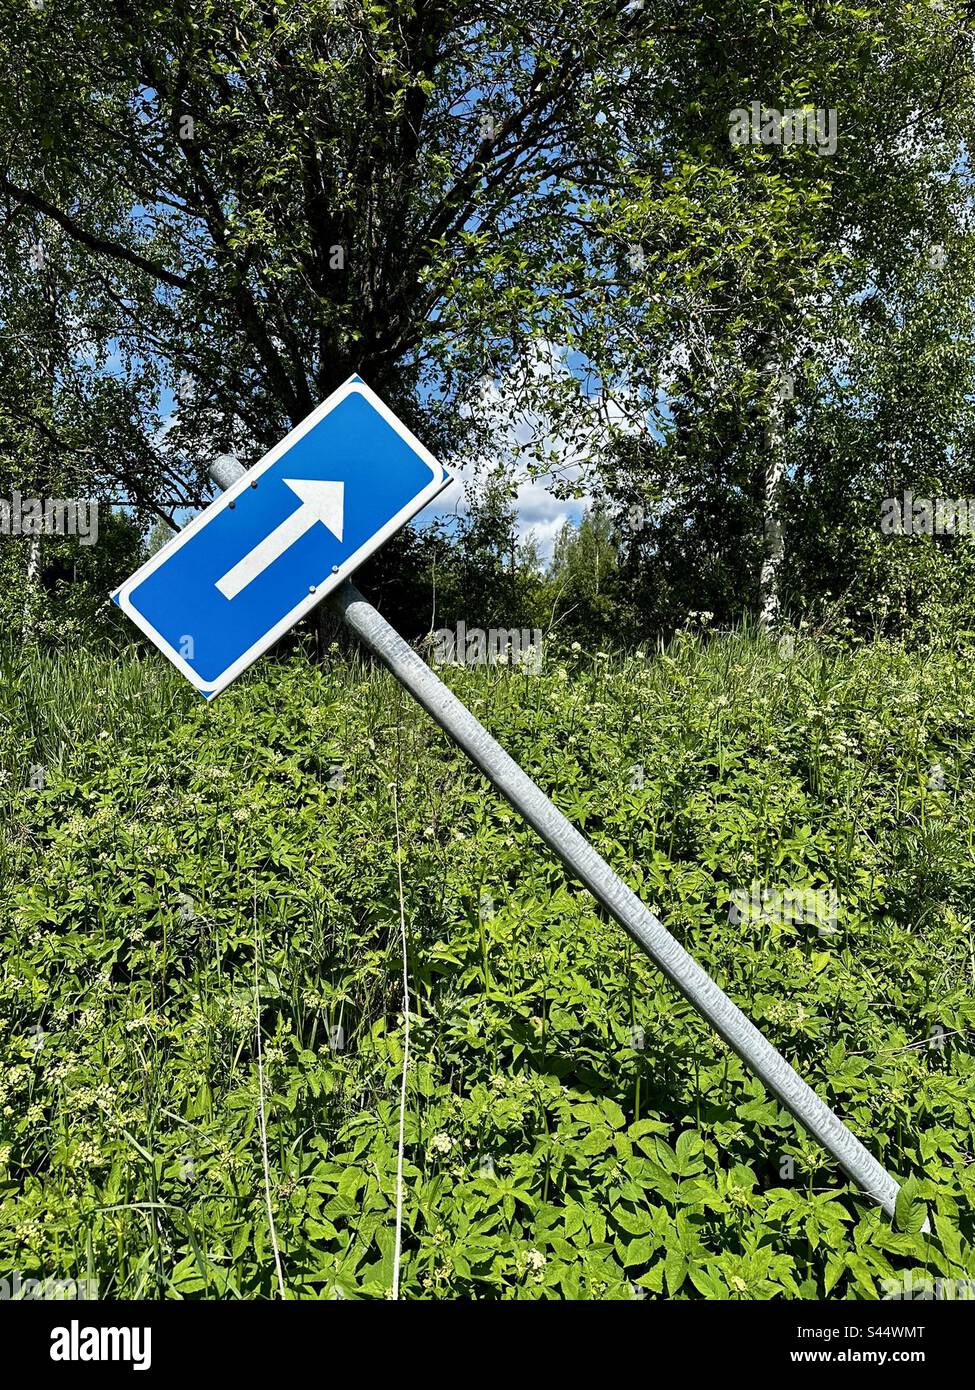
[(275, 543)]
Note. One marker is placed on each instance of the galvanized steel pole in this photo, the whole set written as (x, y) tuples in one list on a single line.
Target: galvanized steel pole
[(583, 862)]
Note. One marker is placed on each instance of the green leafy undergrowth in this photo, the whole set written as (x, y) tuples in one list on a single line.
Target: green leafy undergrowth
[(183, 882)]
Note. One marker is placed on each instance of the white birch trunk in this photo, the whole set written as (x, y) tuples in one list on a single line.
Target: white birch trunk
[(773, 559), (33, 583)]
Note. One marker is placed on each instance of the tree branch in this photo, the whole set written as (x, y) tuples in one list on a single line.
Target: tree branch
[(89, 239)]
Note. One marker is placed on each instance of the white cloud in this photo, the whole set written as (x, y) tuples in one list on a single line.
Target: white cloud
[(516, 432), (539, 513)]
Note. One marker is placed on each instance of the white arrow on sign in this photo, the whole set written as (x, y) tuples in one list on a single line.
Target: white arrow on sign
[(322, 502)]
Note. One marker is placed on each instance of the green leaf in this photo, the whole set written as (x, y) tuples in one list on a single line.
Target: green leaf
[(675, 1268), (910, 1213)]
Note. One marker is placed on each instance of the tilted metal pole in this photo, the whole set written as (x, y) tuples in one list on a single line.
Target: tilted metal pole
[(583, 862)]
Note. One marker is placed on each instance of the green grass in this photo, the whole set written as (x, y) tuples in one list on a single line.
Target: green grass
[(161, 858)]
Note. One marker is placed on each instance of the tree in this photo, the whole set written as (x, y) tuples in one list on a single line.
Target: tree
[(482, 572), (253, 201), (583, 580), (766, 274)]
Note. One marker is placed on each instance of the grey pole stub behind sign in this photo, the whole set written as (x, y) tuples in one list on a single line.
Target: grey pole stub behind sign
[(585, 864)]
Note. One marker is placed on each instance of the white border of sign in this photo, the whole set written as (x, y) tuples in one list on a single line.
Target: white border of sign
[(437, 483)]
